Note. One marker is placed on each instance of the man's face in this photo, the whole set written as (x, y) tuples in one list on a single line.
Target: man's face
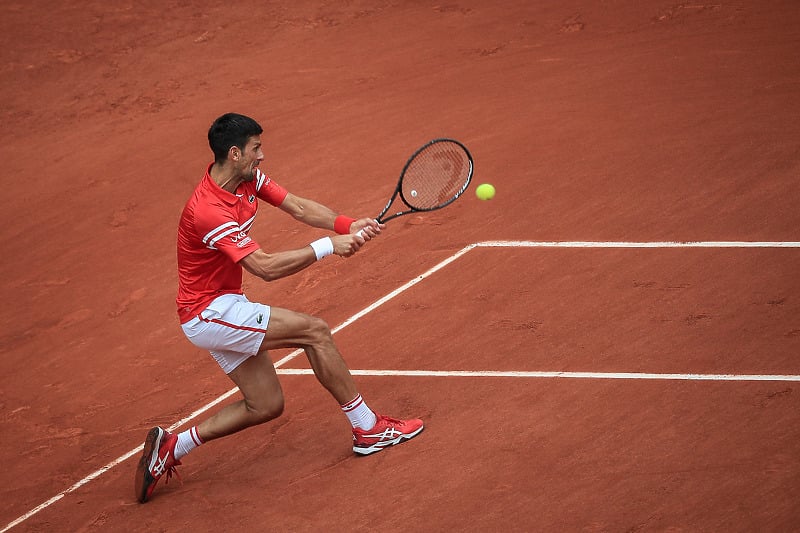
[(249, 158)]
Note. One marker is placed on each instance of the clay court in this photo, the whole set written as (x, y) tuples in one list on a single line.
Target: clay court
[(610, 344)]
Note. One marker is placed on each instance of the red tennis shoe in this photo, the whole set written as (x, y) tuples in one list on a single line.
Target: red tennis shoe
[(386, 432), (158, 458)]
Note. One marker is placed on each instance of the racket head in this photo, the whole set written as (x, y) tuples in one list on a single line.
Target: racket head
[(434, 176)]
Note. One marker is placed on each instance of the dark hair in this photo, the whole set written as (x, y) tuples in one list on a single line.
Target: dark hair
[(231, 129)]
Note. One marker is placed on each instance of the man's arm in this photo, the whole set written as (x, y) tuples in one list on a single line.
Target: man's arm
[(272, 266), (317, 215)]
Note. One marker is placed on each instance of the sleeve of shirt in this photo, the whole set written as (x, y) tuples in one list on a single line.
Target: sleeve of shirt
[(268, 190), (221, 232)]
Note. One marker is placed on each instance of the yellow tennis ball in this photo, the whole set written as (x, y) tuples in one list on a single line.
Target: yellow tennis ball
[(485, 191)]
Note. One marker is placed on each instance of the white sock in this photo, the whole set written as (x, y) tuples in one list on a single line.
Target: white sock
[(187, 441), (359, 414)]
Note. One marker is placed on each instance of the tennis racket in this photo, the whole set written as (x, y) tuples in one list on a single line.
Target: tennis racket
[(434, 177)]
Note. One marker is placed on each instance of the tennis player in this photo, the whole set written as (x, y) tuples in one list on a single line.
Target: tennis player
[(214, 245)]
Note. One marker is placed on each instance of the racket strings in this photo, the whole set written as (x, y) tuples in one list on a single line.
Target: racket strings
[(436, 176)]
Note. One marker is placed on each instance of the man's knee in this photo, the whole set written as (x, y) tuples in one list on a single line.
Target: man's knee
[(264, 410), (318, 328)]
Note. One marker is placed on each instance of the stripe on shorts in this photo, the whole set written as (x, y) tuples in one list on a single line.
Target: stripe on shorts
[(232, 326)]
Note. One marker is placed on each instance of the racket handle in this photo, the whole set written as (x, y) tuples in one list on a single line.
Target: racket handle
[(360, 232)]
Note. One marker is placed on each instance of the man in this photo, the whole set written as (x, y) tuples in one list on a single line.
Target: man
[(214, 246)]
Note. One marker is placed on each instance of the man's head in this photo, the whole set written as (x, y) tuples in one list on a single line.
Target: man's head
[(229, 131), (236, 142)]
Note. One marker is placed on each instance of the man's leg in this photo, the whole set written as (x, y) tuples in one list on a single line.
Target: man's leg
[(263, 399), (258, 381), (289, 329), (371, 432)]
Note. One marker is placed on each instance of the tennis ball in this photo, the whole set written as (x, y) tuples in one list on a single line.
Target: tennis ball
[(485, 191)]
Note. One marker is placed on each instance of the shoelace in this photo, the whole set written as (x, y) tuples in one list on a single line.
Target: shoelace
[(172, 470), (388, 420), (395, 421)]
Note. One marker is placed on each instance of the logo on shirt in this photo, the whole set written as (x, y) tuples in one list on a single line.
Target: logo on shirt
[(252, 198), (241, 239), (259, 318), (239, 236)]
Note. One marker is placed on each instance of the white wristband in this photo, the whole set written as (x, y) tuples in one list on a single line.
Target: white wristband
[(322, 247)]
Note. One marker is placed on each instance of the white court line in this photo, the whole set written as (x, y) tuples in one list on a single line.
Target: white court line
[(439, 266), (622, 244), (559, 375)]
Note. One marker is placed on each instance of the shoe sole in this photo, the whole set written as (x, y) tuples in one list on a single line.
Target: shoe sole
[(385, 444), (144, 480)]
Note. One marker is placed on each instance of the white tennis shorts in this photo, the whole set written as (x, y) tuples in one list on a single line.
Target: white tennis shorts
[(232, 328)]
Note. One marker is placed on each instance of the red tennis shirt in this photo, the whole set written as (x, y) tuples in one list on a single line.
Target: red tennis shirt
[(213, 238)]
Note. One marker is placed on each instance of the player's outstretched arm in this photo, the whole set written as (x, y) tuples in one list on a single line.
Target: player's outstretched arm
[(319, 216), (272, 266)]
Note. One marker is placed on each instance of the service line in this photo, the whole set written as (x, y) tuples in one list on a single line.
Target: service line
[(554, 374)]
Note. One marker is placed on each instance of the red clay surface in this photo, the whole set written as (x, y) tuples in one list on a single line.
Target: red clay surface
[(623, 120)]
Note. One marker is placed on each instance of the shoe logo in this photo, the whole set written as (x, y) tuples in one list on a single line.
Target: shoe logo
[(385, 435), (389, 433), (161, 466)]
